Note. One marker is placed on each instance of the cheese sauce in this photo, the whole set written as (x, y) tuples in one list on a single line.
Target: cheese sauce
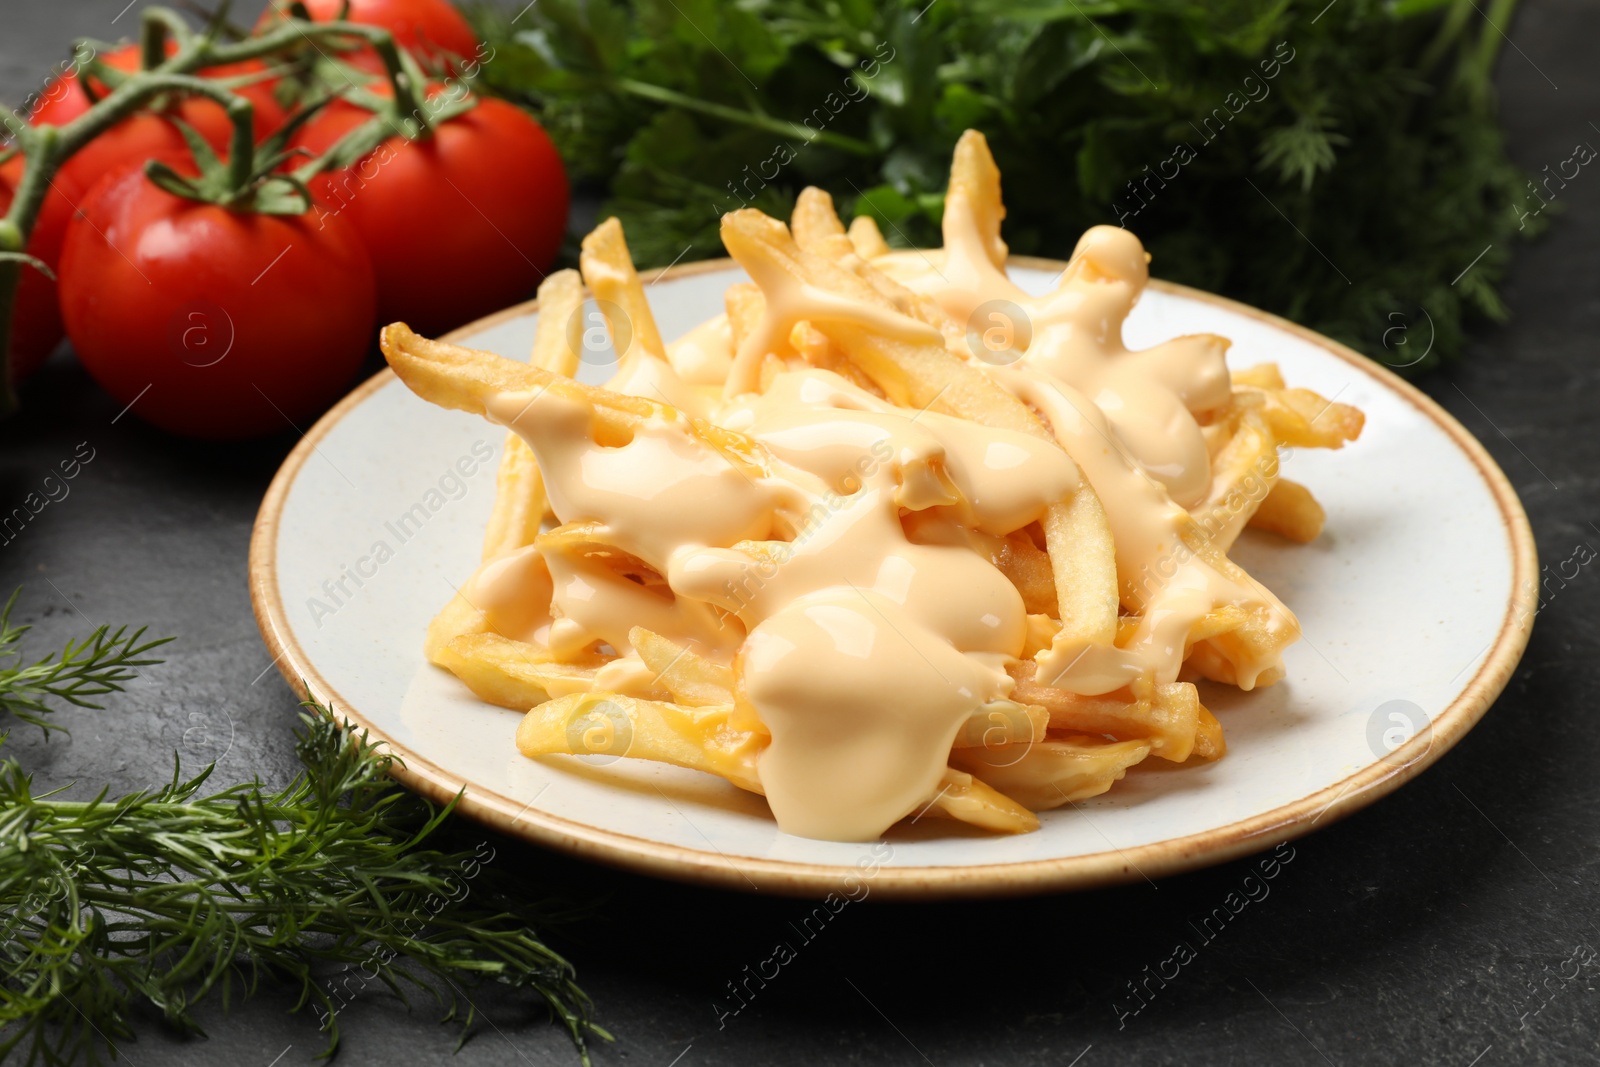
[(846, 575)]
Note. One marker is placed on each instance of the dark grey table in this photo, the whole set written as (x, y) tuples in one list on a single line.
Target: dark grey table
[(1429, 929)]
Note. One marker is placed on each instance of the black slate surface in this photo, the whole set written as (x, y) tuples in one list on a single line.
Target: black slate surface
[(1434, 928)]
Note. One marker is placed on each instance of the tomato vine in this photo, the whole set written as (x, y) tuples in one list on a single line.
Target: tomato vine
[(174, 72)]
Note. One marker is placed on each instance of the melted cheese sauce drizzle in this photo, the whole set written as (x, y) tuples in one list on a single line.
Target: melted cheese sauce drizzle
[(1132, 420), (849, 579), (864, 651)]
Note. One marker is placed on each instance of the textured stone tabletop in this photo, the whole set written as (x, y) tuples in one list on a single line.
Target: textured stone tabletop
[(1431, 928)]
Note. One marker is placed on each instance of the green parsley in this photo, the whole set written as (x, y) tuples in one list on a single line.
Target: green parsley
[(1339, 164)]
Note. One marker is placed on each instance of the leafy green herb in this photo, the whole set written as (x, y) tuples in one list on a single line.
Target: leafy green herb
[(93, 667), (166, 896), (1339, 164)]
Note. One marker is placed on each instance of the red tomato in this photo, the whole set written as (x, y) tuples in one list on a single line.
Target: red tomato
[(36, 319), (458, 224), (432, 30), (149, 135), (214, 323)]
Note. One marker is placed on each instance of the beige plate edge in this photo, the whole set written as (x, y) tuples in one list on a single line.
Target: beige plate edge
[(1011, 879)]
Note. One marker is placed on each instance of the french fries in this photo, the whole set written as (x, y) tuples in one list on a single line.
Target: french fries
[(468, 380), (866, 238), (1031, 571), (608, 270), (1244, 474), (693, 680), (1301, 418), (971, 800), (745, 306), (1167, 716), (519, 502), (1290, 511), (610, 724), (510, 673), (816, 225), (973, 208), (1052, 773), (835, 299), (1004, 722)]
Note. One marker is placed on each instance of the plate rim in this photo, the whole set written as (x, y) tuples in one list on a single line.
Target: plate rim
[(1216, 845)]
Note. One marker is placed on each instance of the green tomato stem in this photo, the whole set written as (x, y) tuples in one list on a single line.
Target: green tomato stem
[(406, 101), (411, 117), (152, 41)]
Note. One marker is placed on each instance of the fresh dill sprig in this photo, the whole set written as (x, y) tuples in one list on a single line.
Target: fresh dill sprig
[(97, 665), (164, 897)]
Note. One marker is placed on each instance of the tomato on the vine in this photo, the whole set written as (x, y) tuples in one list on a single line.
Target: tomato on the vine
[(149, 134), (432, 30), (460, 222), (213, 322), (36, 318)]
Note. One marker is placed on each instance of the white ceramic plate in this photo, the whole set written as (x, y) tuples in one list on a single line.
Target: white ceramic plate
[(1416, 604)]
